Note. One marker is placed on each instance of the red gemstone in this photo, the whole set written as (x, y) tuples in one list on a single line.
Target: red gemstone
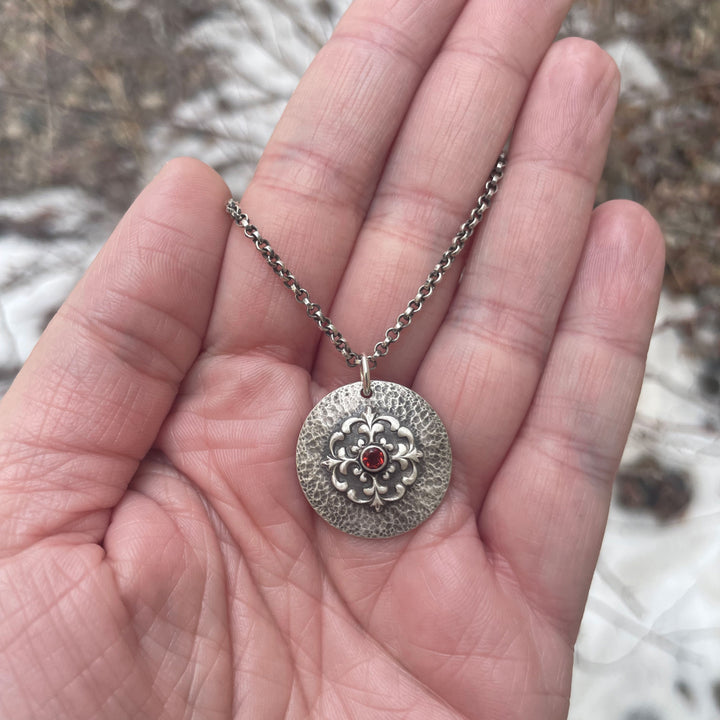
[(373, 458)]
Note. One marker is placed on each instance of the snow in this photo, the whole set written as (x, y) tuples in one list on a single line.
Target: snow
[(640, 76), (652, 622)]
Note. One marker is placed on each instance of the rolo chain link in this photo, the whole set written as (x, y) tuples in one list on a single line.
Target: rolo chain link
[(392, 334)]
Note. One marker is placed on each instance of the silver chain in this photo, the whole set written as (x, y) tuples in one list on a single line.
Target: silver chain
[(392, 334)]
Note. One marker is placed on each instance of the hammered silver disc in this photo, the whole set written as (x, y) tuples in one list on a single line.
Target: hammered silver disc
[(374, 467)]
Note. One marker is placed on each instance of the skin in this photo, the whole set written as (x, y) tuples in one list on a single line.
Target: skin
[(158, 559)]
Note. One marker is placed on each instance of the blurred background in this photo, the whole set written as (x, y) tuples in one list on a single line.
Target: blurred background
[(95, 95)]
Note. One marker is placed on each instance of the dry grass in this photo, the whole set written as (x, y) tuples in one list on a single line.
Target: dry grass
[(82, 81)]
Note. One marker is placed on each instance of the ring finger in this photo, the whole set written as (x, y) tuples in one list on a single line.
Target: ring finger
[(502, 320)]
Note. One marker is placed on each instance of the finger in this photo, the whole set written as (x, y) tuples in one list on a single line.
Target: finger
[(459, 120), (90, 400), (544, 516), (318, 173), (498, 330)]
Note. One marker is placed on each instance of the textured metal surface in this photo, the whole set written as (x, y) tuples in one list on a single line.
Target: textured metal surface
[(407, 489), (314, 311)]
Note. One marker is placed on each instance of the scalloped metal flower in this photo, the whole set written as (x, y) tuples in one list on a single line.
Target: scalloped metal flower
[(373, 459)]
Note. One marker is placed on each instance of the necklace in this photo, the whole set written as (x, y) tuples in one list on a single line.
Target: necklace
[(373, 458)]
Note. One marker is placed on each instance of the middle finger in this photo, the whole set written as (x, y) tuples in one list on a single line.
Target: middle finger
[(460, 117)]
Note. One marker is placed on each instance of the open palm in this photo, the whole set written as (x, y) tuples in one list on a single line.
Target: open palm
[(158, 557)]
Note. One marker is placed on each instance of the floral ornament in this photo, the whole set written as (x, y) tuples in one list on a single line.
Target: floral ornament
[(373, 459)]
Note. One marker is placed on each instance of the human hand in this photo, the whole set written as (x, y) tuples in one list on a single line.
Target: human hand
[(158, 556)]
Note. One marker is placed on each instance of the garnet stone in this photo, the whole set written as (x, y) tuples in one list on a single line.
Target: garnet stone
[(373, 458)]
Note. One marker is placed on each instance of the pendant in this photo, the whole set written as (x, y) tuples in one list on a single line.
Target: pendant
[(374, 466)]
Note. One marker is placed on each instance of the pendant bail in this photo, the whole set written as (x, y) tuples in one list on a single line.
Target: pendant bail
[(365, 376)]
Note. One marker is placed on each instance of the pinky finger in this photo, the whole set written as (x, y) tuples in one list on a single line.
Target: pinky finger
[(544, 517)]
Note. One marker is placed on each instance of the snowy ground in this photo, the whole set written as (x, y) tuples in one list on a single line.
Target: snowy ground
[(649, 646), (650, 639)]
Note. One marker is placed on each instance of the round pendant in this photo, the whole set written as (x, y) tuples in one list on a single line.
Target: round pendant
[(374, 467)]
